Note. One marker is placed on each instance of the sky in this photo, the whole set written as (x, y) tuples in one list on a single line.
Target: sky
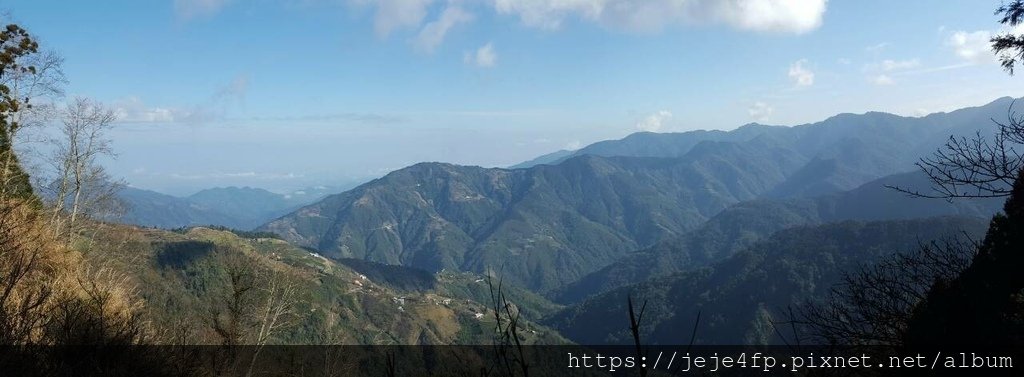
[(294, 93)]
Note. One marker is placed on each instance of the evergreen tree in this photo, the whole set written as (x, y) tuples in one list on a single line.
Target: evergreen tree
[(15, 45), (15, 182), (985, 304)]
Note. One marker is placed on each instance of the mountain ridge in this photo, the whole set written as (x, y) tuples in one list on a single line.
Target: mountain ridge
[(547, 225)]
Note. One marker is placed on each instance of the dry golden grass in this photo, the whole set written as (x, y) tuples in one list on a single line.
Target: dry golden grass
[(49, 296)]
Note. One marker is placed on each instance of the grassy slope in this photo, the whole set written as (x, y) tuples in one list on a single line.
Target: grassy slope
[(180, 277)]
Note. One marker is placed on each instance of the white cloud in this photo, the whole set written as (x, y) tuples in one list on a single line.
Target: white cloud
[(760, 111), (573, 145), (881, 73), (874, 49), (134, 110), (433, 33), (974, 47), (654, 122), (484, 57), (882, 80), (189, 9), (392, 15), (793, 16), (236, 175), (801, 75), (549, 14), (788, 16), (899, 65), (780, 16)]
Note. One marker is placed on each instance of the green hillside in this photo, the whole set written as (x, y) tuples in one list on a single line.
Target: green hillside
[(544, 226), (182, 278)]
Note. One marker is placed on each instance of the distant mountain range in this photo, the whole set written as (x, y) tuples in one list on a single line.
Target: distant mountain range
[(234, 207), (902, 139), (552, 222)]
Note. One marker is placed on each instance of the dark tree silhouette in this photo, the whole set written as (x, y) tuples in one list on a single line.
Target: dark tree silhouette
[(1009, 47), (984, 305), (976, 167)]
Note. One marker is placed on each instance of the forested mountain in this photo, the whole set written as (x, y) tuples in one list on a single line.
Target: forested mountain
[(543, 226), (745, 223), (739, 298), (548, 225)]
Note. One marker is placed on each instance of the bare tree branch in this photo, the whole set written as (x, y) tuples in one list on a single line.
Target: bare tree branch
[(873, 305), (975, 167)]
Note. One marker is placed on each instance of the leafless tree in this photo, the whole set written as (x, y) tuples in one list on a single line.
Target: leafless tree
[(36, 89), (81, 185), (233, 315), (257, 304), (276, 311), (873, 305), (978, 166)]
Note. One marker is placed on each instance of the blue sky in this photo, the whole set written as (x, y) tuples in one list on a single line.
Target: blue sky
[(287, 94)]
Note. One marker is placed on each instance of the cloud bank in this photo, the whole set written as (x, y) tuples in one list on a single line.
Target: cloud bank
[(433, 19)]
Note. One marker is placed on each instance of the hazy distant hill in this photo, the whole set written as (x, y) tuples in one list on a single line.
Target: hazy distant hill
[(841, 152), (150, 208), (233, 207), (548, 225), (740, 297), (548, 159), (242, 203)]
